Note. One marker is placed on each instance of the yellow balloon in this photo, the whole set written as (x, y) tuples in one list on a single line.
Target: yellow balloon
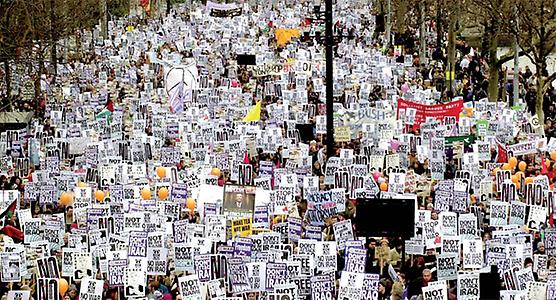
[(146, 193), (161, 172), (191, 204), (162, 193), (99, 195), (513, 162)]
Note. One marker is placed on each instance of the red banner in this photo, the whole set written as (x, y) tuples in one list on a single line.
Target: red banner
[(438, 111)]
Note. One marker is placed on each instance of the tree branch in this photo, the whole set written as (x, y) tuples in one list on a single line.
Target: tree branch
[(508, 57), (548, 81)]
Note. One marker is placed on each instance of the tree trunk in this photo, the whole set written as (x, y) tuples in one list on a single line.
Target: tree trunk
[(493, 75), (7, 75), (54, 60), (438, 26), (451, 51), (54, 50), (540, 97), (422, 33)]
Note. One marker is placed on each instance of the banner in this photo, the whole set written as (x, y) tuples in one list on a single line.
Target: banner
[(438, 111)]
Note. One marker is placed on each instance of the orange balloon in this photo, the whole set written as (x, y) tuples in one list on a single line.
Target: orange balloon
[(66, 199), (506, 166), (191, 204), (528, 180), (383, 186), (553, 155), (146, 193), (495, 170), (216, 172), (161, 172), (519, 174), (63, 286), (162, 193), (81, 184), (513, 162), (522, 166), (515, 178), (99, 195)]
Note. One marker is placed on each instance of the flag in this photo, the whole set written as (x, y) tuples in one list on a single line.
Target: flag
[(13, 232), (146, 4), (254, 114), (544, 169), (107, 110), (246, 158), (502, 156), (177, 99), (9, 209)]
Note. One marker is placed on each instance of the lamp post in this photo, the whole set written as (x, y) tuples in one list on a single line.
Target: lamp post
[(329, 41), (329, 48)]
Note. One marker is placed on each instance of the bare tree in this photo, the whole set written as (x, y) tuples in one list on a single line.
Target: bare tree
[(537, 32)]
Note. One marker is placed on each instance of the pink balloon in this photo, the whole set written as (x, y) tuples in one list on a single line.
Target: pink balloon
[(376, 175), (394, 144)]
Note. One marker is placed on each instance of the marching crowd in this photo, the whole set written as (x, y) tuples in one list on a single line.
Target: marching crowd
[(120, 86)]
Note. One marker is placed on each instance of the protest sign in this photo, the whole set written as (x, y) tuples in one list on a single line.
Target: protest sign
[(343, 232), (446, 266), (190, 287), (47, 289), (435, 292), (242, 227), (472, 254), (355, 260), (91, 289), (322, 287), (351, 285), (468, 286), (19, 295)]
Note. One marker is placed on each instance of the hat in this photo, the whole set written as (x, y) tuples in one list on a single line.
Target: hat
[(540, 244), (72, 287), (157, 294)]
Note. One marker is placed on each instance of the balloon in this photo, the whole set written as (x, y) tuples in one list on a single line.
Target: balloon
[(506, 166), (519, 174), (216, 172), (528, 180), (394, 144), (384, 186), (81, 184), (553, 155), (376, 175), (146, 193), (99, 195), (513, 162), (62, 286), (191, 204), (161, 172), (66, 199), (515, 178), (522, 166), (163, 193), (495, 170)]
